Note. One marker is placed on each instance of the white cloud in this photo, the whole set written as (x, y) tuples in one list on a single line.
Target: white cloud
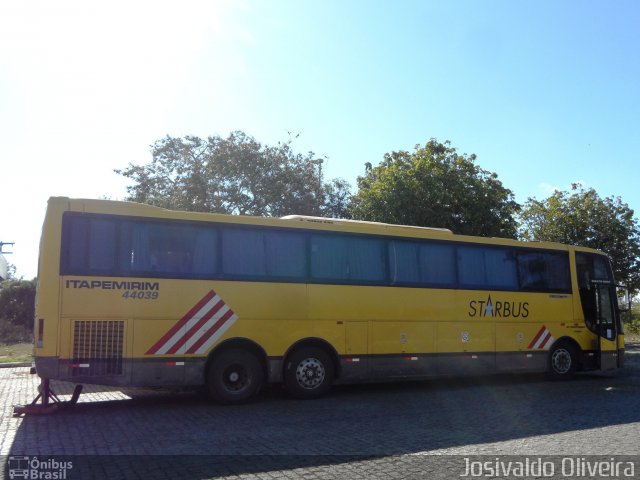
[(546, 189)]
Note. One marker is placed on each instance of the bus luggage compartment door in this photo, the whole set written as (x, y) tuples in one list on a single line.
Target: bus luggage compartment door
[(354, 366)]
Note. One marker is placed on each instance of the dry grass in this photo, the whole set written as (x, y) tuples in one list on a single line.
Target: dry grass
[(18, 352)]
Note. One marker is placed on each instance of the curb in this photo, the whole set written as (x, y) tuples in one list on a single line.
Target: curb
[(16, 364)]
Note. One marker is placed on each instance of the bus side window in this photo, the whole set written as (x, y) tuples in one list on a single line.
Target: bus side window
[(89, 246), (256, 253), (347, 259), (437, 264), (531, 267), (205, 252), (471, 268), (366, 259), (480, 267), (329, 257), (162, 249), (76, 245), (404, 264), (425, 263), (544, 271), (501, 268), (102, 241), (285, 254), (243, 252)]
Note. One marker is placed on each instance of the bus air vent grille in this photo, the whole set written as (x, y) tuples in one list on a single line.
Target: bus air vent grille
[(98, 347)]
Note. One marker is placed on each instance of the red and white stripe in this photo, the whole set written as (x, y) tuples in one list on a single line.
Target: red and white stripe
[(198, 329), (543, 339)]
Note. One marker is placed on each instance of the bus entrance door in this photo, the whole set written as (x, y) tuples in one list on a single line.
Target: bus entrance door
[(606, 324)]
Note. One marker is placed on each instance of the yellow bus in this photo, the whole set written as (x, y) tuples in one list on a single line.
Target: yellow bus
[(135, 295)]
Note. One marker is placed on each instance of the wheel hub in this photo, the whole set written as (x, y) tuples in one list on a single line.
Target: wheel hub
[(236, 378), (310, 373), (561, 361)]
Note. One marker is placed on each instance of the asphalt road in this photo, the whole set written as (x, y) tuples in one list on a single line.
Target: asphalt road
[(424, 429)]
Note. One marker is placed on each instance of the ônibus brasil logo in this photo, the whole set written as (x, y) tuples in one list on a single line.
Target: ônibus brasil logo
[(35, 468)]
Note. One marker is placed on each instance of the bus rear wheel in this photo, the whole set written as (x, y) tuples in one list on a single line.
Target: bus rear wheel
[(234, 376), (309, 372), (562, 362)]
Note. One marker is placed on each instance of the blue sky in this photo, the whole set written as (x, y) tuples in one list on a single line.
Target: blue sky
[(545, 93)]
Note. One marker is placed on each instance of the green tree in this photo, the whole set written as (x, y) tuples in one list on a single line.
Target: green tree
[(337, 199), (582, 217), (436, 187), (234, 175), (17, 306)]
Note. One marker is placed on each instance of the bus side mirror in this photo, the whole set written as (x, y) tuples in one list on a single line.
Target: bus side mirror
[(624, 301)]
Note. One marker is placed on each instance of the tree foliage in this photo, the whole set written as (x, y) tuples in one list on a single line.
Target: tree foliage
[(234, 175), (337, 199), (436, 187), (582, 217), (17, 310)]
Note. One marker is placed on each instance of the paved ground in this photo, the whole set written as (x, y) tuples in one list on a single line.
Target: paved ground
[(410, 430)]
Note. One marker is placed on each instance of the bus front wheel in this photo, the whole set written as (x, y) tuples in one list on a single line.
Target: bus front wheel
[(562, 361), (234, 376)]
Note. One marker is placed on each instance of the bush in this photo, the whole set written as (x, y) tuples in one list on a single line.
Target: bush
[(17, 310), (10, 333)]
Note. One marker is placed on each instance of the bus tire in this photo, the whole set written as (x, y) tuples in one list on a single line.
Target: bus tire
[(309, 372), (562, 361), (235, 376)]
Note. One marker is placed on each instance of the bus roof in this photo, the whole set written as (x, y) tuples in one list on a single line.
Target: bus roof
[(338, 221)]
